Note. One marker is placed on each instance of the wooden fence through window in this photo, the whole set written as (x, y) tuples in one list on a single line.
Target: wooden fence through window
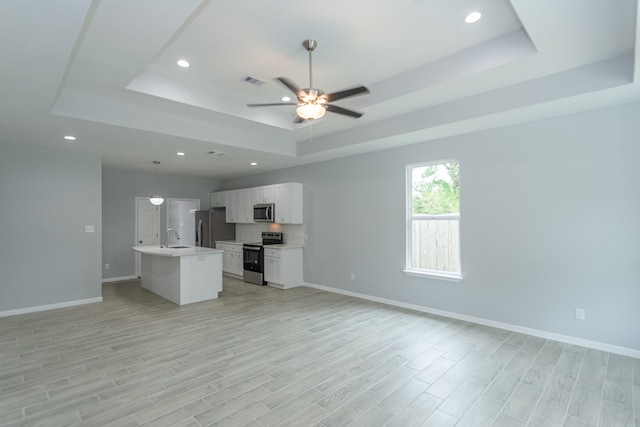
[(436, 244)]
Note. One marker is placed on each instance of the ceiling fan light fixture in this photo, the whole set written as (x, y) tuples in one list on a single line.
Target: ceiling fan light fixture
[(314, 103), (310, 111)]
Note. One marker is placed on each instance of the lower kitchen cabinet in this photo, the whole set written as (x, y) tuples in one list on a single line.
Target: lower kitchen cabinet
[(231, 258), (283, 267)]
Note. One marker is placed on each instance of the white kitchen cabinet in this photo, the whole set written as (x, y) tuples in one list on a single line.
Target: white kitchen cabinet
[(246, 207), (231, 258), (239, 207), (231, 206), (239, 203), (272, 270), (264, 194), (238, 213), (288, 203), (219, 199), (283, 267)]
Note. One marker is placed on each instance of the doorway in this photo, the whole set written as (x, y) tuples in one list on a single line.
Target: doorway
[(147, 226), (181, 217)]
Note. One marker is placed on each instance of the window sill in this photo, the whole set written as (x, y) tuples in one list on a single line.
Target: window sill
[(450, 277)]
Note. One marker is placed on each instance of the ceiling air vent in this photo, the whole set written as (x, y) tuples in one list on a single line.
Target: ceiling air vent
[(253, 81), (217, 153)]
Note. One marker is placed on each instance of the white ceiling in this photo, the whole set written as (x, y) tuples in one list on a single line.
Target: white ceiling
[(105, 72)]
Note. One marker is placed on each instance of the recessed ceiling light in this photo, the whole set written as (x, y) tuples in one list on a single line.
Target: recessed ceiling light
[(286, 99), (254, 164), (183, 63), (69, 137), (180, 153), (473, 17)]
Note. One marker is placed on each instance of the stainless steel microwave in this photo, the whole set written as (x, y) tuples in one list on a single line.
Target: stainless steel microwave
[(263, 212)]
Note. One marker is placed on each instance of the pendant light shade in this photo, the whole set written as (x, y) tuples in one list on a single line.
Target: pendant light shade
[(156, 199)]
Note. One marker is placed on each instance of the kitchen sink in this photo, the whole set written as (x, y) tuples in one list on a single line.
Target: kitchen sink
[(178, 247)]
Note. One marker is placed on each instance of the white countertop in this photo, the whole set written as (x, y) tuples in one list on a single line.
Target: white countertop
[(175, 252)]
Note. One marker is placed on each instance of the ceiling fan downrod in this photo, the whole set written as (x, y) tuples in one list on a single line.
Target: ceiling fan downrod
[(310, 45)]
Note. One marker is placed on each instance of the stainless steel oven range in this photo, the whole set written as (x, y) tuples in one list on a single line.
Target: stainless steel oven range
[(253, 257)]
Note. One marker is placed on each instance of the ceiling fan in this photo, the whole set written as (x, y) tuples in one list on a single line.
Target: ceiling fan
[(312, 102)]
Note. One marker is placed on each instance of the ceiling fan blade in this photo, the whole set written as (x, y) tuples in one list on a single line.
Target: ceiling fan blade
[(298, 120), (359, 90), (271, 104), (340, 110), (292, 87)]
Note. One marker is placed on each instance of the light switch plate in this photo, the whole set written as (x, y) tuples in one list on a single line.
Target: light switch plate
[(89, 228)]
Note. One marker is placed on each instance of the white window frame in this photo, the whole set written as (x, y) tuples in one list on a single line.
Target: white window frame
[(417, 272)]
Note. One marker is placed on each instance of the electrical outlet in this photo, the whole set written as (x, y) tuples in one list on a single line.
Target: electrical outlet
[(89, 228), (107, 266), (581, 314), (353, 276)]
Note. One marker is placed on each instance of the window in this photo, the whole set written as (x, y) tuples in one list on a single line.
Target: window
[(433, 220)]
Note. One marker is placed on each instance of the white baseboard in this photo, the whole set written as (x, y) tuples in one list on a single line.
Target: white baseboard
[(119, 279), (624, 351), (49, 307)]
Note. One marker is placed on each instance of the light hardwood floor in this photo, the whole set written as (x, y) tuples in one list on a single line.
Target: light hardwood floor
[(264, 357)]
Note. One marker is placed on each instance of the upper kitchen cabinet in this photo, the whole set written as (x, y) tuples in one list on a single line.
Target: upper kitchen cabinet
[(219, 199), (238, 206), (264, 194), (245, 213), (287, 199), (288, 203), (231, 206)]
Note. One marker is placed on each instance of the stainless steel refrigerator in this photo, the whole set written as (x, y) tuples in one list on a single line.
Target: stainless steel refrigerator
[(211, 226)]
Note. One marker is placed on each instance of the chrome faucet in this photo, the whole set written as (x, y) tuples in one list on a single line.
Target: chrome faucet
[(176, 233)]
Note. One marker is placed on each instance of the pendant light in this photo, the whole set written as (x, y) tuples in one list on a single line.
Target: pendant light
[(156, 198)]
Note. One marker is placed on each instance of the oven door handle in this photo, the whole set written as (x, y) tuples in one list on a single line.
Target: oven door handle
[(250, 249)]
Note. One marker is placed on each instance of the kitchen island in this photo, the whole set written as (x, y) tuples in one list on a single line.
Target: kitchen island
[(183, 275)]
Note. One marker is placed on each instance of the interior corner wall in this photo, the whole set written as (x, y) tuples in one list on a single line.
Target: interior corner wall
[(48, 197), (119, 190), (550, 222)]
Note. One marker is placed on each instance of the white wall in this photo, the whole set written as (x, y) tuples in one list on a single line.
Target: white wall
[(48, 197), (550, 222)]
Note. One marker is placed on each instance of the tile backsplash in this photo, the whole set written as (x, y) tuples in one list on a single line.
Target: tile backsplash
[(293, 234)]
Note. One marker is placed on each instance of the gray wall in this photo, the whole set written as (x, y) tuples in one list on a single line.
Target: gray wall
[(550, 222), (47, 199), (119, 190)]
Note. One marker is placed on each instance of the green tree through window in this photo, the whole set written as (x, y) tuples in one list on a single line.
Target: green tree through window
[(437, 190)]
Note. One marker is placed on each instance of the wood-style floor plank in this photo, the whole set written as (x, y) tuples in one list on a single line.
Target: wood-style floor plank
[(264, 357)]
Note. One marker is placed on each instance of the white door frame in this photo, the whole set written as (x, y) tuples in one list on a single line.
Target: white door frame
[(136, 241)]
